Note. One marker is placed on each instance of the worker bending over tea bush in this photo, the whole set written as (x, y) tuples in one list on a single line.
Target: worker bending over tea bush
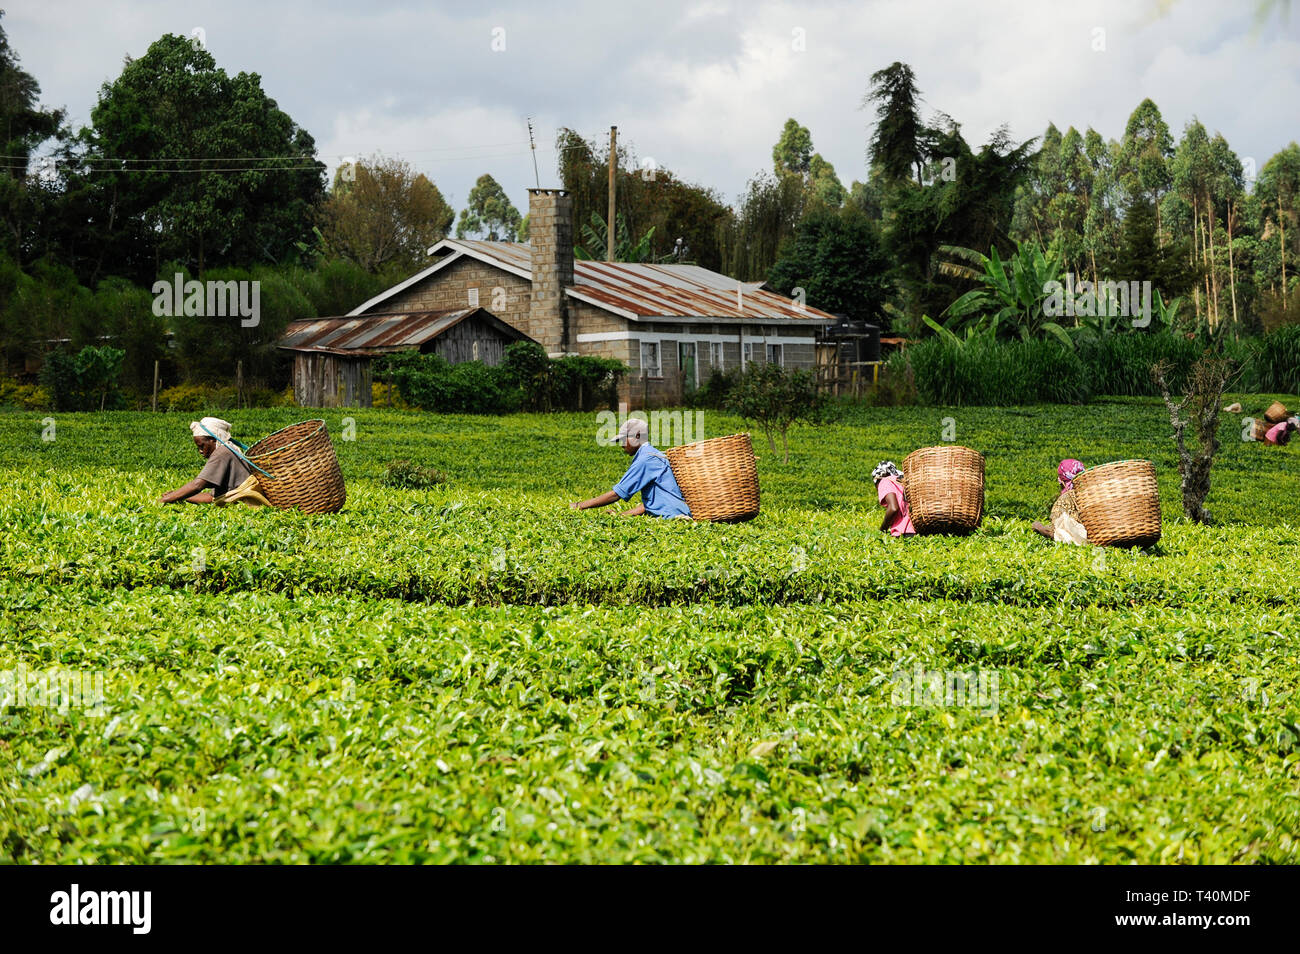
[(649, 475), (1065, 527), (224, 470), (892, 496)]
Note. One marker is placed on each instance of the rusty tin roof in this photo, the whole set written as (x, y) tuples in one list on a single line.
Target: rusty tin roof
[(638, 291), (377, 334)]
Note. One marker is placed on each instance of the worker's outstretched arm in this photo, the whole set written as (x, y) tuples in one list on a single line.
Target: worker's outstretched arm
[(188, 492), (604, 500), (892, 510)]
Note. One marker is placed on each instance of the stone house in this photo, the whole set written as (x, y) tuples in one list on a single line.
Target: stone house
[(670, 324)]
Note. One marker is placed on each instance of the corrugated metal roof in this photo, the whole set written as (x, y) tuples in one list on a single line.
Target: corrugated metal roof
[(369, 334), (642, 290)]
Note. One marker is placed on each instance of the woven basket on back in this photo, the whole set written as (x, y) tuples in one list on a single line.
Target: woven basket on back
[(303, 466), (1276, 412), (718, 477), (945, 488), (1261, 430), (1119, 503)]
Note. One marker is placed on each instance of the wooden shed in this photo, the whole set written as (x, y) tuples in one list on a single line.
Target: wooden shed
[(332, 356)]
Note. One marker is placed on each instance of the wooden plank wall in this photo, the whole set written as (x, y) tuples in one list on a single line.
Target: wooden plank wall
[(329, 380), (456, 344)]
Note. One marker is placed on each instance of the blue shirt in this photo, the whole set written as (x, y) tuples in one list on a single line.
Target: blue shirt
[(651, 477)]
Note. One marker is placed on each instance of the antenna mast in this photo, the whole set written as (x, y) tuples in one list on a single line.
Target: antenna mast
[(533, 146)]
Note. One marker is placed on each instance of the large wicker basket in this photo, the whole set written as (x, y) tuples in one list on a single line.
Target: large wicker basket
[(303, 466), (1276, 413), (945, 488), (1261, 430), (1119, 503), (718, 477)]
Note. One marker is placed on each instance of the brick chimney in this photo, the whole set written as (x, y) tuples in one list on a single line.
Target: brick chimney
[(550, 233)]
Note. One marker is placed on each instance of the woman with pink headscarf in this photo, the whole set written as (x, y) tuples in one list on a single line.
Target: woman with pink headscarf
[(1065, 527)]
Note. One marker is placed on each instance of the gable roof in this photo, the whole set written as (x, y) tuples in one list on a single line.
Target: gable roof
[(377, 334), (639, 291)]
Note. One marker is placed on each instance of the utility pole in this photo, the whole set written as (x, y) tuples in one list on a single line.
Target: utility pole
[(537, 178), (613, 165)]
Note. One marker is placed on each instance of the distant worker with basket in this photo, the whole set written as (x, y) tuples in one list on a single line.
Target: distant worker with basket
[(1065, 527), (1280, 433), (224, 471), (893, 497), (649, 475)]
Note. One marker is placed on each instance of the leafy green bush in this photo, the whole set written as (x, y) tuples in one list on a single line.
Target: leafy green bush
[(197, 398), (90, 380), (715, 392), (582, 383), (27, 397), (409, 475), (776, 399), (526, 379)]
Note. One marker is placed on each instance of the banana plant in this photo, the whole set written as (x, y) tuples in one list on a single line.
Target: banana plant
[(1010, 299), (596, 235)]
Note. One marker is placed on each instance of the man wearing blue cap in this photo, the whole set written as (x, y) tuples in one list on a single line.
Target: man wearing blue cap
[(649, 475)]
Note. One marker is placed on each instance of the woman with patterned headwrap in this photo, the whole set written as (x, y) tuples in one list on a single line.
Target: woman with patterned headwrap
[(1065, 527), (224, 471), (889, 490)]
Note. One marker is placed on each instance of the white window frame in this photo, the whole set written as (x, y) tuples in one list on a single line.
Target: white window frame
[(651, 369), (747, 357), (779, 351), (716, 354), (473, 296)]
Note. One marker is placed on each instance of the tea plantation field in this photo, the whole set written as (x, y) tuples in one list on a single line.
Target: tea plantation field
[(475, 673)]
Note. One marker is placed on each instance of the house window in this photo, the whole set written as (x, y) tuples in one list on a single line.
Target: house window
[(650, 360), (749, 353), (776, 355), (715, 354), (689, 367), (474, 350), (473, 297)]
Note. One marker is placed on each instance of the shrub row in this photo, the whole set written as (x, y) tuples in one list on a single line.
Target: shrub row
[(526, 379)]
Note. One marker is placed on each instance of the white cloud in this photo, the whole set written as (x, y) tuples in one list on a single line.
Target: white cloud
[(702, 87)]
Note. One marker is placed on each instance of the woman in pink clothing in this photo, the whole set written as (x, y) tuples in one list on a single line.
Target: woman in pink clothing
[(892, 496), (1281, 432), (1065, 505)]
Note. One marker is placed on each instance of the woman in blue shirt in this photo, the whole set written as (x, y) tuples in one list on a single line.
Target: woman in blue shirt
[(649, 475)]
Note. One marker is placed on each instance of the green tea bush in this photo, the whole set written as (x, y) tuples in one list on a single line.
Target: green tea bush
[(409, 475), (480, 674)]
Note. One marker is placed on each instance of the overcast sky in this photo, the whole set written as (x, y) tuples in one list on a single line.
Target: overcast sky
[(703, 88)]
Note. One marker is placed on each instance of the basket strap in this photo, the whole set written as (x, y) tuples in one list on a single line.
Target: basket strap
[(238, 453)]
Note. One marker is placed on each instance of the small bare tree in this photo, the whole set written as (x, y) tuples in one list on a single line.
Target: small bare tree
[(1207, 379)]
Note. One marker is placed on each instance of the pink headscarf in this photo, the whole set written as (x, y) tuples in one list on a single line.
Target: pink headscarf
[(1067, 471)]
